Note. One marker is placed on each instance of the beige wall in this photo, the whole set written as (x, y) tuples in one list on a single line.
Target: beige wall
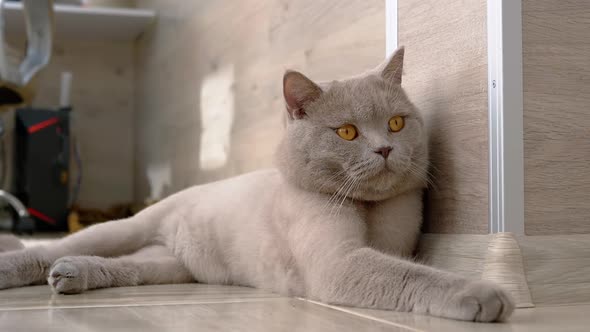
[(556, 69), (446, 77), (223, 61), (103, 119)]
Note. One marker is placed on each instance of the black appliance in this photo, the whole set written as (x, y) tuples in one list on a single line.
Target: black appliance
[(41, 165)]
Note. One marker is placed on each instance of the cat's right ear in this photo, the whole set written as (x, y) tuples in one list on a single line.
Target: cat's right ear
[(299, 91), (392, 72)]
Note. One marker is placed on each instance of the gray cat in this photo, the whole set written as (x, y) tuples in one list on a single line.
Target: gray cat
[(333, 223)]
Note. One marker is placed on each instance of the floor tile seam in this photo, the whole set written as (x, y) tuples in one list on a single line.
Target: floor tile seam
[(361, 315), (115, 305)]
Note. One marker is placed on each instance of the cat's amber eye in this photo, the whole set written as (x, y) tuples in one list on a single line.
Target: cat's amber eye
[(348, 132), (396, 123)]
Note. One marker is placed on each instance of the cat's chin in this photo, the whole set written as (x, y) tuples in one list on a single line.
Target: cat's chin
[(387, 184)]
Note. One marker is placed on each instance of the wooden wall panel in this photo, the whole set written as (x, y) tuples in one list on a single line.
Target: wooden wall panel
[(446, 77), (556, 69), (252, 43)]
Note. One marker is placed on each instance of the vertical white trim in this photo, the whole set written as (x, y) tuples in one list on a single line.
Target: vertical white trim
[(506, 173), (390, 27)]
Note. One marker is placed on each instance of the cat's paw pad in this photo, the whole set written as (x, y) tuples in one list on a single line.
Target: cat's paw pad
[(67, 277), (478, 301)]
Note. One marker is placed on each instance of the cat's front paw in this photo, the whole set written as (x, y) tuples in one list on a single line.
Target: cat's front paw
[(478, 301), (68, 276)]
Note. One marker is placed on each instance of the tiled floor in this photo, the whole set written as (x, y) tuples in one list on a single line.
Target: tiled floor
[(196, 307)]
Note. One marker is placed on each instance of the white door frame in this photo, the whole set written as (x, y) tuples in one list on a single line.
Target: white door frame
[(390, 27), (505, 109), (505, 116)]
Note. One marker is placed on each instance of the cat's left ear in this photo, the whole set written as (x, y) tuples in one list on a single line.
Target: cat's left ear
[(299, 91), (394, 67)]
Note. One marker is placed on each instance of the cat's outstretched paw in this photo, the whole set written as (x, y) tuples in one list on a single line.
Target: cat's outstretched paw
[(478, 301), (68, 276)]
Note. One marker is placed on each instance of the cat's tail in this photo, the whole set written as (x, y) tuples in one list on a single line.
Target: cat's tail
[(9, 243)]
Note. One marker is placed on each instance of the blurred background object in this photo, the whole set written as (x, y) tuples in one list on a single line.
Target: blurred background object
[(16, 81), (43, 141)]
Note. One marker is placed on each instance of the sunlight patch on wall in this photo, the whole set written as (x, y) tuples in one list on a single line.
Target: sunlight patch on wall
[(159, 177), (217, 114)]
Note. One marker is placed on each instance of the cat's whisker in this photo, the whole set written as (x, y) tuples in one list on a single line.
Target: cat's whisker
[(350, 188), (425, 170), (334, 202), (331, 179), (336, 194), (349, 185), (359, 166), (359, 169), (348, 182), (357, 186), (345, 191), (422, 174)]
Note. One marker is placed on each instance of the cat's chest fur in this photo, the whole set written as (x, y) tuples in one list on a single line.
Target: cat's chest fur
[(393, 225)]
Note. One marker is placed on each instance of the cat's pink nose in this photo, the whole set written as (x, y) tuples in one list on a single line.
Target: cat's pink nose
[(384, 151)]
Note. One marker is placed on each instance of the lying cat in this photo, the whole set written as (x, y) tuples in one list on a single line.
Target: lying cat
[(332, 223)]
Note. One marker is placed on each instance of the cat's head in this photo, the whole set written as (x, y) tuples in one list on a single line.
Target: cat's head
[(361, 137)]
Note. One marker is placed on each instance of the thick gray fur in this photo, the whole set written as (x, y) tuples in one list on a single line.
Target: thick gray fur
[(336, 222)]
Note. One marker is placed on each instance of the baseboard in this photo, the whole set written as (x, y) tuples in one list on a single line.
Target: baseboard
[(537, 270)]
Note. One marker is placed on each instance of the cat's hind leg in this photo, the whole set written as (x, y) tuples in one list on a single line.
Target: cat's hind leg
[(110, 239), (10, 243), (148, 266)]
